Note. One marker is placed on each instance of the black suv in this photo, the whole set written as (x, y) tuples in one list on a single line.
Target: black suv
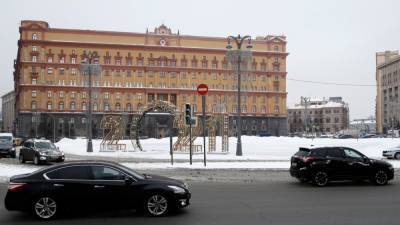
[(321, 165)]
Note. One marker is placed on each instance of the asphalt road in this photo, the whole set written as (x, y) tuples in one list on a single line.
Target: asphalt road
[(274, 202)]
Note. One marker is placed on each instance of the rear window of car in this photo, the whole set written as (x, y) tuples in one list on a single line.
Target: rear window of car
[(71, 173), (303, 152), (320, 152), (334, 152)]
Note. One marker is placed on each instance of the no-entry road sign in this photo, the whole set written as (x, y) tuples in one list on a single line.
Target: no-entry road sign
[(202, 89)]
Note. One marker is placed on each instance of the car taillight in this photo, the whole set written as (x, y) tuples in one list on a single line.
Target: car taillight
[(13, 187), (307, 159)]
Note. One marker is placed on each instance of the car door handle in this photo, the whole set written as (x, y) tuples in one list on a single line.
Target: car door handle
[(98, 186), (58, 185)]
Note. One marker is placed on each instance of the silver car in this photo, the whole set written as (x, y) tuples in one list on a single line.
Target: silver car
[(392, 153)]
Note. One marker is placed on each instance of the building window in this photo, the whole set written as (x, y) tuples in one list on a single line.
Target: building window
[(49, 70), (61, 106), (95, 106), (49, 94), (62, 71), (33, 81), (49, 59), (83, 105), (33, 104), (73, 60), (33, 94), (34, 58), (34, 36), (106, 95), (73, 71), (62, 60), (106, 106), (61, 94), (117, 106), (128, 107), (276, 109), (276, 48), (49, 105), (129, 73), (72, 105), (34, 48), (263, 109), (254, 109)]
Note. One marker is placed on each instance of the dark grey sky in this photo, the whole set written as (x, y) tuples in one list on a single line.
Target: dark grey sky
[(332, 41)]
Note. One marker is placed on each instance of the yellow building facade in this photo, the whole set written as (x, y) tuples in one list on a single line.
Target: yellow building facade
[(136, 69)]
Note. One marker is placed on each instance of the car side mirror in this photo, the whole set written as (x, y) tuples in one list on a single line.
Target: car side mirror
[(366, 159), (128, 180)]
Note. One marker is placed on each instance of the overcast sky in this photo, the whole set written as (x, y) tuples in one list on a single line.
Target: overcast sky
[(328, 41)]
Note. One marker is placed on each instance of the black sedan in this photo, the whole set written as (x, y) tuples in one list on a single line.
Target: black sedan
[(83, 185), (40, 151), (7, 149), (321, 165)]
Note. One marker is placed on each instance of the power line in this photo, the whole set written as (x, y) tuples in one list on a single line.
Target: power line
[(332, 83)]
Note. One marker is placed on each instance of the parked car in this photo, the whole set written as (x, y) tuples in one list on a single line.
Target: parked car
[(321, 165), (99, 185), (7, 148), (392, 153), (40, 151), (345, 136), (368, 136)]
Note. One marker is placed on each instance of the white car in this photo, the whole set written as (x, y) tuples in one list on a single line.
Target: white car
[(392, 153)]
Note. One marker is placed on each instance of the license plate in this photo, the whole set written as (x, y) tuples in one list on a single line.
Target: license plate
[(294, 164)]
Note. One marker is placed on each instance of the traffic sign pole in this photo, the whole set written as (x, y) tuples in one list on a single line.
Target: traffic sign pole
[(202, 89)]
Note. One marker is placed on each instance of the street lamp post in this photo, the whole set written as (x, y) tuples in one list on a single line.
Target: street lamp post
[(238, 57), (90, 68)]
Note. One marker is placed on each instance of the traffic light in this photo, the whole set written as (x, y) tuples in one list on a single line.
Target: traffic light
[(188, 114)]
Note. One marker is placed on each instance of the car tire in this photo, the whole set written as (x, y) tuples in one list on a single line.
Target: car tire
[(320, 178), (45, 208), (36, 160), (156, 205), (380, 178), (21, 158), (397, 155)]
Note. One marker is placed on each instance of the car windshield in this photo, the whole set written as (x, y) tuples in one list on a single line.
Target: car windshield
[(6, 138), (4, 143), (133, 172), (44, 145)]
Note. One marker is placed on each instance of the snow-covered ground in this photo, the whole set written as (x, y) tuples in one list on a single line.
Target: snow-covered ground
[(258, 153), (254, 148)]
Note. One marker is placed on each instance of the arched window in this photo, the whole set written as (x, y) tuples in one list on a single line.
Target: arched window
[(95, 106), (276, 109), (61, 105), (49, 105), (263, 109), (34, 36), (72, 105), (254, 109), (139, 106), (106, 106), (276, 48), (83, 105), (33, 104), (128, 107), (117, 106)]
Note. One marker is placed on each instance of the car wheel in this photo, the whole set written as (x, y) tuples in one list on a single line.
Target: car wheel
[(36, 160), (156, 205), (397, 155), (320, 178), (380, 178), (21, 158), (45, 208)]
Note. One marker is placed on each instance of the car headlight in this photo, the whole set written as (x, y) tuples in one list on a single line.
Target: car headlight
[(176, 189), (186, 185), (390, 167), (42, 153)]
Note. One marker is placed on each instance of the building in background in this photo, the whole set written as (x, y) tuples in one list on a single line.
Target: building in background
[(8, 112), (387, 97), (325, 115), (363, 126), (138, 68)]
